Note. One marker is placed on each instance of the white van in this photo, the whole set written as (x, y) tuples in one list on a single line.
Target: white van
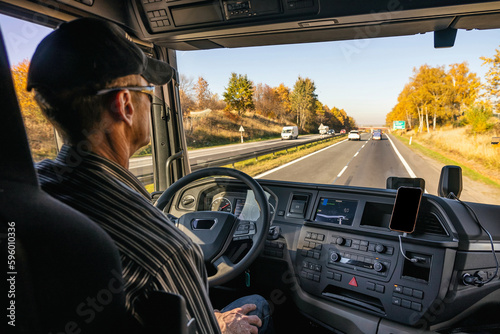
[(290, 132)]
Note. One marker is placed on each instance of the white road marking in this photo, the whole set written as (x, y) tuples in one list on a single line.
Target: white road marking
[(403, 161), (297, 160), (342, 171)]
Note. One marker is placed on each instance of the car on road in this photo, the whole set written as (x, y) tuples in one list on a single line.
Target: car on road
[(331, 132), (342, 131), (354, 135), (377, 135)]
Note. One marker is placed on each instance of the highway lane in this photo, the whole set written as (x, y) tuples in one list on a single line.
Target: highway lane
[(364, 163)]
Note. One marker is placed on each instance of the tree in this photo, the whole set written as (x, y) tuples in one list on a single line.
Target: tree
[(186, 95), (266, 101), (465, 88), (493, 78), (39, 130), (239, 93), (203, 94), (303, 101), (284, 108), (436, 85)]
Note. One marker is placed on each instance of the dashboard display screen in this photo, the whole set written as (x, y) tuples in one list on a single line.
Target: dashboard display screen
[(335, 211)]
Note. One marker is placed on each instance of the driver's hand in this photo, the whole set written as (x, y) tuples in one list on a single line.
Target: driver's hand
[(237, 321)]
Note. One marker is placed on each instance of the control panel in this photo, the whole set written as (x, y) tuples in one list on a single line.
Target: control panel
[(368, 273)]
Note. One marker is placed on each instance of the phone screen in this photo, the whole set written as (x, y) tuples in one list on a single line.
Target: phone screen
[(405, 211)]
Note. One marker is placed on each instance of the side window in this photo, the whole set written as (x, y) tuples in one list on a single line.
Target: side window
[(21, 39)]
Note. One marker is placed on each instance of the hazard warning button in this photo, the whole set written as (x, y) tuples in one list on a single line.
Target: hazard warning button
[(353, 281)]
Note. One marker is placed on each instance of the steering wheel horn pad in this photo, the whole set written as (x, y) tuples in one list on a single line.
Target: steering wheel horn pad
[(213, 230)]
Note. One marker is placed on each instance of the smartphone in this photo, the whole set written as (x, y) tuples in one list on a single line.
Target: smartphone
[(405, 211)]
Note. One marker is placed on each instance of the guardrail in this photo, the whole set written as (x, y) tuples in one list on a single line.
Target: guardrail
[(255, 154)]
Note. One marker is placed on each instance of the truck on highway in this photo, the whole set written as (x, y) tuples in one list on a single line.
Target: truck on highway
[(290, 132)]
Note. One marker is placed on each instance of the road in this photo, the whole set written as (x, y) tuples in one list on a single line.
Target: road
[(364, 163), (368, 163)]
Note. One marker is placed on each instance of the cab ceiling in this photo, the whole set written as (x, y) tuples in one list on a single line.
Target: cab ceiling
[(202, 24)]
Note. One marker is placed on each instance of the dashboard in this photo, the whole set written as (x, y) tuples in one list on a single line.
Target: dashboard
[(352, 273)]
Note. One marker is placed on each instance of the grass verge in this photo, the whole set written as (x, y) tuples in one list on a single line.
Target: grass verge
[(466, 171)]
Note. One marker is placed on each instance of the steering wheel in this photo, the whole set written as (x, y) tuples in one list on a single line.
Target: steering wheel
[(214, 230)]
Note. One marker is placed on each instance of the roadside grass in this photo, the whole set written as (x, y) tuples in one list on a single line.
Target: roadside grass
[(267, 162), (475, 158), (220, 127)]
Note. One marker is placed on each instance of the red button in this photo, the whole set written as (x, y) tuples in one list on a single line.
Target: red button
[(353, 281)]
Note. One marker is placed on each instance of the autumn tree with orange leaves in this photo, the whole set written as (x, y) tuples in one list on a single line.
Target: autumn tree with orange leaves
[(40, 131)]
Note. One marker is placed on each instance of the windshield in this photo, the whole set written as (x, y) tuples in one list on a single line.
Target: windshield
[(432, 107)]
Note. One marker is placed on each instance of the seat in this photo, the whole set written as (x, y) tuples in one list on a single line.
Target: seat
[(64, 272)]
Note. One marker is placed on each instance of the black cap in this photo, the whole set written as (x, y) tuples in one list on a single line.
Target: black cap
[(88, 52)]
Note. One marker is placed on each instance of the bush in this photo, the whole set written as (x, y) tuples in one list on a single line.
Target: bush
[(478, 117)]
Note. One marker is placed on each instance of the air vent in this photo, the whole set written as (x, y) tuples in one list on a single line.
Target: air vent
[(428, 222)]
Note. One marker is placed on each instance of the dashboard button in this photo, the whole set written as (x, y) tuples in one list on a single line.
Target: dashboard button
[(398, 289), (379, 288), (337, 277), (407, 291), (340, 241), (379, 267), (379, 248), (334, 256), (416, 306), (370, 286), (406, 303), (418, 294), (396, 301)]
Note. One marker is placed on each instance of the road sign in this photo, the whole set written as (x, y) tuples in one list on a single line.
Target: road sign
[(241, 132), (399, 125)]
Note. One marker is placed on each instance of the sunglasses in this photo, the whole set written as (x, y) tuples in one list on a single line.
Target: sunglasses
[(149, 90)]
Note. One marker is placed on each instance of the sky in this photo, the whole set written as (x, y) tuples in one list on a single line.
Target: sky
[(363, 77)]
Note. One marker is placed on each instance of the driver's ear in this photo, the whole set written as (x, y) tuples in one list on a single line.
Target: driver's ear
[(122, 108)]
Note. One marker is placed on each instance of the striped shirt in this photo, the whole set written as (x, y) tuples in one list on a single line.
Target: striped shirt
[(155, 254)]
